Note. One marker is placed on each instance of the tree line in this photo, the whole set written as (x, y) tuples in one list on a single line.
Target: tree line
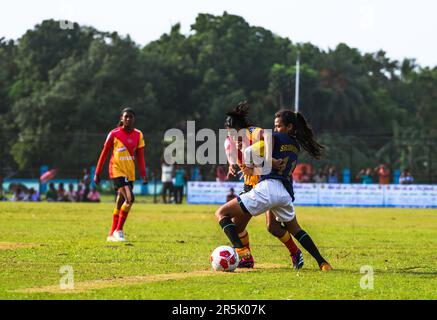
[(61, 91)]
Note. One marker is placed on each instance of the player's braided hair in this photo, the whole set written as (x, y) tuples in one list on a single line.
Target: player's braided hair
[(238, 117), (301, 131)]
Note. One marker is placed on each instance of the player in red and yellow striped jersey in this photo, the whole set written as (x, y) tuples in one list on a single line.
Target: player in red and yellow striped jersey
[(127, 144), (237, 119)]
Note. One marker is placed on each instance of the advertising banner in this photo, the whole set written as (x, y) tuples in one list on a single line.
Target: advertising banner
[(204, 192), (312, 194)]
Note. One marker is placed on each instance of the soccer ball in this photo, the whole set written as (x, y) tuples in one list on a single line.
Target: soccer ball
[(224, 258)]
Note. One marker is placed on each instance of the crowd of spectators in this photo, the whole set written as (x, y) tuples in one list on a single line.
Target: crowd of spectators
[(329, 174), (55, 194), (83, 193)]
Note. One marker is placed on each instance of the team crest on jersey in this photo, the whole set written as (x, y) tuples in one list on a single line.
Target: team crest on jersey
[(121, 149)]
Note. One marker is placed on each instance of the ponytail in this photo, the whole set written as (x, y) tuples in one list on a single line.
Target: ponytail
[(238, 117), (302, 132)]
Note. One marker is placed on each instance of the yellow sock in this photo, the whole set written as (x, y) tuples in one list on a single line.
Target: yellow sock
[(244, 237), (285, 237), (125, 208), (287, 240)]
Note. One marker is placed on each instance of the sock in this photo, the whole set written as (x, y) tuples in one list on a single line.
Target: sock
[(114, 221), (122, 217), (244, 237), (229, 229), (306, 242), (287, 240)]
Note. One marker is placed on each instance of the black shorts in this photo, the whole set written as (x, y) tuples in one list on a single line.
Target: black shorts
[(120, 182)]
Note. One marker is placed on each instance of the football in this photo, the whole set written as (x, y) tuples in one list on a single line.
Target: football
[(224, 258)]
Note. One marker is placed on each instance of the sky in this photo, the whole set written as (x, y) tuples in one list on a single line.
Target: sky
[(402, 28)]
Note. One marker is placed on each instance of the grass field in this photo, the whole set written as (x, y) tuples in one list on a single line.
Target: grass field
[(167, 256)]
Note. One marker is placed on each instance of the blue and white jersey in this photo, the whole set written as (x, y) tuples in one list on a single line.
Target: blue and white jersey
[(285, 148)]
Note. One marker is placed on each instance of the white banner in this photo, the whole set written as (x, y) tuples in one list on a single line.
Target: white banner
[(308, 193), (201, 192), (411, 196)]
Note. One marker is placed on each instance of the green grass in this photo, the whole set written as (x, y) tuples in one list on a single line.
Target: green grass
[(400, 245)]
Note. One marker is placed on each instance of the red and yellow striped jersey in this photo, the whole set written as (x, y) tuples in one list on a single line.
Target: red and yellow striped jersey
[(252, 135), (126, 147)]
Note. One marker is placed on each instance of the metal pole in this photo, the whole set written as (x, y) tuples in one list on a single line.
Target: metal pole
[(296, 90)]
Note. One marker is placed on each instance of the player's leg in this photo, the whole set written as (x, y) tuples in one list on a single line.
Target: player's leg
[(225, 214), (126, 192), (277, 230), (178, 194), (241, 223), (115, 215), (305, 240), (254, 202), (119, 200), (164, 192)]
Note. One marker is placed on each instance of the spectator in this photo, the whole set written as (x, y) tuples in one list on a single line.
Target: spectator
[(167, 171), (51, 194), (180, 177), (231, 195), (195, 174), (220, 173), (320, 177), (365, 176), (32, 195), (302, 173), (18, 195), (305, 175), (94, 195), (61, 192), (383, 173), (86, 179), (84, 184), (332, 175), (80, 193), (406, 177), (71, 195)]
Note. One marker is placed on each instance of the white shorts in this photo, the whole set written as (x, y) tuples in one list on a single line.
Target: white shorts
[(270, 195)]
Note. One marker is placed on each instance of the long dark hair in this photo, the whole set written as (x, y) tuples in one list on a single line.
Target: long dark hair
[(301, 131), (238, 117)]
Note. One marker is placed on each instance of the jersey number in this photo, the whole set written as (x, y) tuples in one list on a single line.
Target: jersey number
[(290, 171)]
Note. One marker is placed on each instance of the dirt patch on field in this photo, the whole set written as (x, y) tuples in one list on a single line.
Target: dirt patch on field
[(14, 245), (135, 280)]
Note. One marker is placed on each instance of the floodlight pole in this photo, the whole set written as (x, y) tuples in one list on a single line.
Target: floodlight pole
[(296, 90)]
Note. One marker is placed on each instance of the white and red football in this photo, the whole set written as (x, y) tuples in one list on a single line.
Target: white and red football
[(224, 258)]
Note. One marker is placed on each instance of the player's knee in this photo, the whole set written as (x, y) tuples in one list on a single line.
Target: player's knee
[(130, 200), (219, 214), (275, 229), (272, 228)]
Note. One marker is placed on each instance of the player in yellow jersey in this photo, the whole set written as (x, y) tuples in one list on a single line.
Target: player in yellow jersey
[(237, 119), (127, 144)]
